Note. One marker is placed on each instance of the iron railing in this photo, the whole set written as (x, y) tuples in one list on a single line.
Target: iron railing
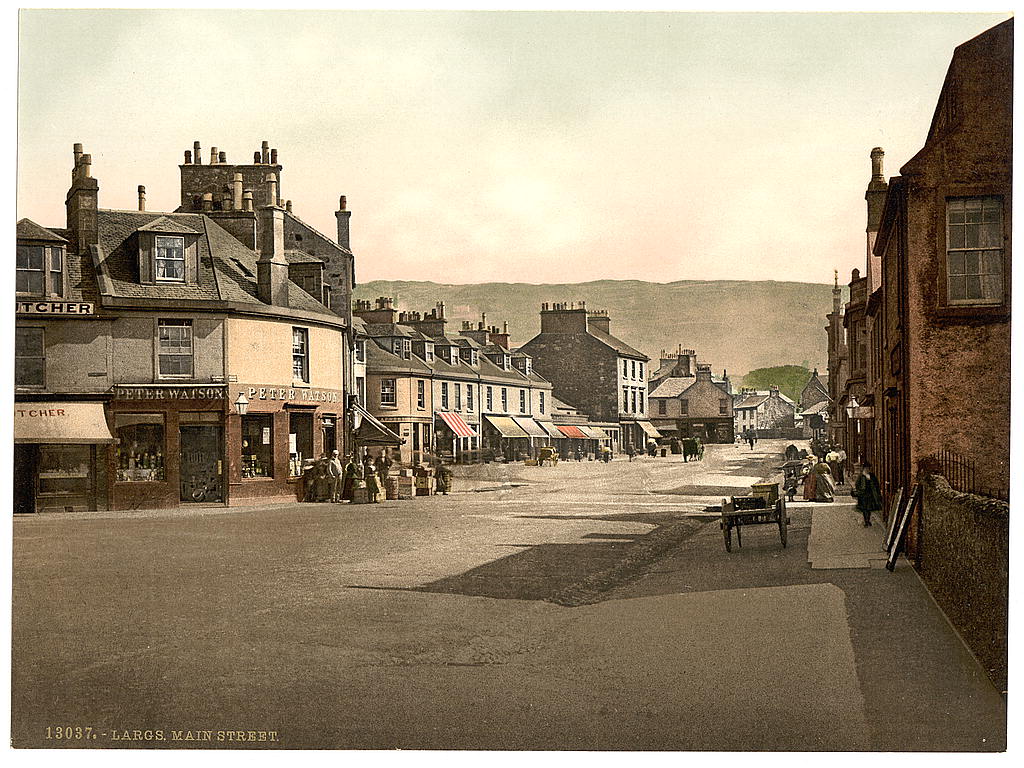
[(962, 474)]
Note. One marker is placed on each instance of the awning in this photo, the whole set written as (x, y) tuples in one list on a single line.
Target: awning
[(551, 429), (529, 426), (369, 430), (649, 429), (456, 424), (574, 432), (594, 433), (64, 423), (506, 426)]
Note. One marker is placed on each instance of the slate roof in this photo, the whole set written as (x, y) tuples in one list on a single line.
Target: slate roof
[(673, 387), (750, 401), (382, 361), (29, 230), (617, 344), (301, 257), (816, 408)]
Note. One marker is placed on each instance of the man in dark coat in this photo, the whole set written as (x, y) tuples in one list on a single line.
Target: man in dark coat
[(867, 493)]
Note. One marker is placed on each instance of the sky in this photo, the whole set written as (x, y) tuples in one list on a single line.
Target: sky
[(497, 146)]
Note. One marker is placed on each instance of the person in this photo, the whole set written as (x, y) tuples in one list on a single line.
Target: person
[(335, 472), (579, 453), (631, 452), (832, 459), (370, 476), (824, 487), (309, 480), (751, 439), (349, 483), (810, 482), (841, 466), (383, 467), (652, 449), (867, 493), (443, 482)]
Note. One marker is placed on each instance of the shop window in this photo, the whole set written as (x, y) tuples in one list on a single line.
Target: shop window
[(974, 250), (65, 476), (29, 358), (258, 445), (387, 392), (140, 447), (300, 354), (174, 338), (300, 441), (39, 270)]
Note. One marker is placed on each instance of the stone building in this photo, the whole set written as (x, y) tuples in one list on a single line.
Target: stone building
[(768, 414), (168, 358), (599, 374), (681, 408)]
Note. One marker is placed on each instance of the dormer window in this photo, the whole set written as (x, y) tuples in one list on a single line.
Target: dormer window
[(170, 259), (428, 352), (40, 270), (506, 361)]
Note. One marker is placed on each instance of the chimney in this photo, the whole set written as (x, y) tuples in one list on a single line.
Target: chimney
[(256, 157), (703, 373), (343, 215), (188, 157), (222, 157), (380, 311), (271, 181), (563, 318), (876, 164), (142, 198), (288, 206), (196, 153), (213, 155), (599, 320), (273, 157), (836, 294), (247, 201), (236, 191), (265, 153), (272, 266), (875, 197), (81, 203)]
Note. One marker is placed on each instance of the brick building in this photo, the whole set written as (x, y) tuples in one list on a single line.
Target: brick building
[(166, 358), (599, 374)]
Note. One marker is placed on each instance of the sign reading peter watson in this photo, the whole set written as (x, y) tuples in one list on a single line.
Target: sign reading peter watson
[(54, 308), (172, 392), (294, 394)]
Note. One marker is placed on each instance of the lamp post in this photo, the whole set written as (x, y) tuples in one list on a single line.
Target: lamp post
[(241, 404)]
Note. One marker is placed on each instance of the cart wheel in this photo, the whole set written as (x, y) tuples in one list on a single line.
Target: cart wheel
[(782, 522), (727, 532)]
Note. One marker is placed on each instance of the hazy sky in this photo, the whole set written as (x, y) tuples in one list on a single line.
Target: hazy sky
[(535, 147)]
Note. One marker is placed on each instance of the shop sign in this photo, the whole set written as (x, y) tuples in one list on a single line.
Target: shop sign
[(169, 393), (54, 308), (290, 394)]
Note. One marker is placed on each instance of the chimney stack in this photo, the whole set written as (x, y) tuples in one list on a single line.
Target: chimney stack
[(343, 215), (272, 266), (142, 198), (236, 192), (81, 203)]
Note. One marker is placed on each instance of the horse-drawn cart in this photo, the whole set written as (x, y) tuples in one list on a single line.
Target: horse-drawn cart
[(763, 507)]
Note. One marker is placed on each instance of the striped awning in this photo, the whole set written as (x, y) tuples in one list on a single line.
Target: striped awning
[(456, 423), (551, 429), (506, 426), (529, 426), (649, 429), (369, 430), (568, 430), (594, 433)]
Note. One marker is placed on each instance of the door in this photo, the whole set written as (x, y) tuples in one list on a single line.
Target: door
[(201, 463), (26, 457)]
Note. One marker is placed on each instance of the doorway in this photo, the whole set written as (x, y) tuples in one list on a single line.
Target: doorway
[(201, 463), (26, 459)]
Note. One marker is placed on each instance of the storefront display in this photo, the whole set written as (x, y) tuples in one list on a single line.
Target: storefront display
[(140, 447), (257, 458)]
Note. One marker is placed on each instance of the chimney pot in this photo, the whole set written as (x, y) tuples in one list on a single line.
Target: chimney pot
[(256, 157), (86, 164), (213, 155), (196, 153), (273, 157), (77, 149), (236, 191), (288, 205), (877, 154), (208, 201), (265, 152), (247, 201), (271, 181), (342, 203), (188, 157), (142, 198), (222, 157)]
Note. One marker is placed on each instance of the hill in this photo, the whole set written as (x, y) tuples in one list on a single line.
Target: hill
[(790, 379), (732, 324)]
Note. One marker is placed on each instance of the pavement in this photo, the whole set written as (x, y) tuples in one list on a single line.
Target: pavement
[(583, 606)]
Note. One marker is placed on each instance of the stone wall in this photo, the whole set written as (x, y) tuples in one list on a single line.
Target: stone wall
[(965, 564)]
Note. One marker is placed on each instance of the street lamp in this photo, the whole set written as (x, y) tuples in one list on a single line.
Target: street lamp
[(851, 407), (242, 404)]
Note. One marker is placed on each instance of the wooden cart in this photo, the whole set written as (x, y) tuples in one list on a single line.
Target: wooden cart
[(760, 509)]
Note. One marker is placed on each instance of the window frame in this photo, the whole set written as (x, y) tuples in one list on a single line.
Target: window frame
[(392, 402), (175, 322), (301, 355), (522, 401), (978, 251), (469, 397), (490, 398), (51, 286), (421, 394), (41, 357), (157, 259), (504, 399)]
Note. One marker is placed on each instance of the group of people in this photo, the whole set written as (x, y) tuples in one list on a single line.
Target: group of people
[(820, 477), (328, 479)]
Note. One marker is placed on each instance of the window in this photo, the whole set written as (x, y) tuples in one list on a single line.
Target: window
[(641, 370), (504, 399), (723, 407), (40, 270), (458, 397), (175, 347), (140, 447), (469, 397), (170, 258), (625, 398), (421, 394), (29, 358), (684, 407), (632, 369), (522, 401), (974, 250), (632, 393), (428, 352), (542, 402), (387, 392), (640, 399), (361, 350), (662, 407), (300, 441), (300, 354), (490, 399), (361, 390), (625, 369), (257, 445)]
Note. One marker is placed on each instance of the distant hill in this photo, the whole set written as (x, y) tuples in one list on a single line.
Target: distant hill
[(736, 325), (790, 379)]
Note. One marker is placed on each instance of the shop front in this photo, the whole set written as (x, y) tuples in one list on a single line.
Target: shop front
[(60, 456), (504, 438), (454, 438), (169, 445), (273, 433)]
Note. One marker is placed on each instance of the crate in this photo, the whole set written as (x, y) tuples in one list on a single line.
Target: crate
[(767, 491)]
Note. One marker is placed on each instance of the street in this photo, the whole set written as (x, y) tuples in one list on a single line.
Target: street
[(581, 606)]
